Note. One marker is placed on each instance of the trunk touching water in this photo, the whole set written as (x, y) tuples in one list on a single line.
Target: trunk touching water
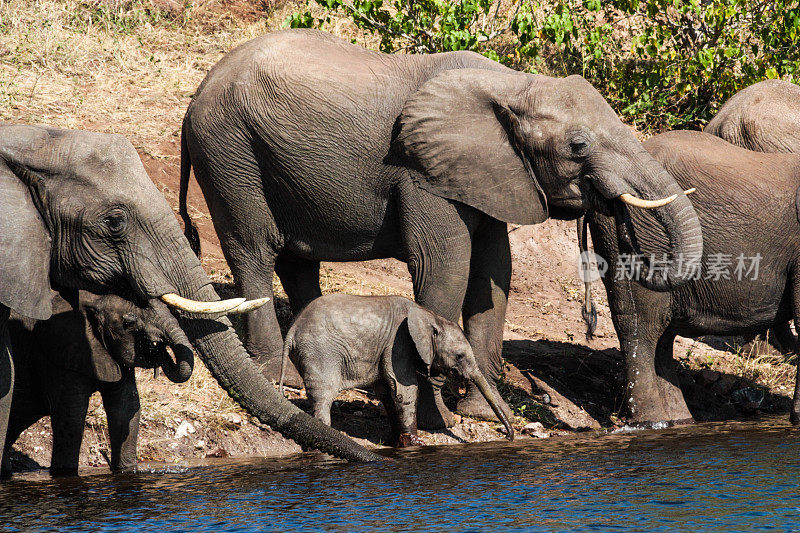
[(226, 358), (170, 268)]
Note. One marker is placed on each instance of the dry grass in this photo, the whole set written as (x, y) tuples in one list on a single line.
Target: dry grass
[(757, 363), (130, 70)]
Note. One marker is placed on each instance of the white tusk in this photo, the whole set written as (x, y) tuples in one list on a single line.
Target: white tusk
[(645, 204), (687, 192), (250, 305), (203, 308)]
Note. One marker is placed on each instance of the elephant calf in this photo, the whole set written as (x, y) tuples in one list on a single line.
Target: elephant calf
[(62, 361), (342, 341)]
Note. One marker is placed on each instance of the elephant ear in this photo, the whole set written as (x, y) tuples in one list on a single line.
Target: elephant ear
[(460, 130), (423, 328), (103, 365), (24, 242)]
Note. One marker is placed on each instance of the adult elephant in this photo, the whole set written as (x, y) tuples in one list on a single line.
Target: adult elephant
[(748, 278), (309, 148), (764, 117), (78, 211)]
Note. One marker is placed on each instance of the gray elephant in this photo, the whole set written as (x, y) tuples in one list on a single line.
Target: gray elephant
[(309, 148), (60, 362), (78, 211), (341, 341), (749, 276), (764, 117)]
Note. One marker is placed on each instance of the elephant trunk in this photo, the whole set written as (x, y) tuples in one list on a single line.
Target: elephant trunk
[(483, 386), (678, 219), (171, 267), (223, 353), (181, 369)]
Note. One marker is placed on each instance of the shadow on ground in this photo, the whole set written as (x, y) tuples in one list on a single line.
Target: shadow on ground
[(595, 381)]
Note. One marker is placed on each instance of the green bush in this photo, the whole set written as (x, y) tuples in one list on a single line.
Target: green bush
[(661, 63)]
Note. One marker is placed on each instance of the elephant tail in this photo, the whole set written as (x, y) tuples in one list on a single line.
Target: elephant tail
[(190, 230), (588, 310), (288, 346)]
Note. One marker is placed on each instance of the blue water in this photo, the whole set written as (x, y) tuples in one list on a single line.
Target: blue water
[(709, 477)]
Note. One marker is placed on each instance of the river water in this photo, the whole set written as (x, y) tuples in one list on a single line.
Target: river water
[(712, 477)]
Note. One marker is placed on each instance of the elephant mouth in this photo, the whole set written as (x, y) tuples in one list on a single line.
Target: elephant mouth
[(150, 353)]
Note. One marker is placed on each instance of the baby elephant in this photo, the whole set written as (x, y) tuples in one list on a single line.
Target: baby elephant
[(60, 362), (342, 341)]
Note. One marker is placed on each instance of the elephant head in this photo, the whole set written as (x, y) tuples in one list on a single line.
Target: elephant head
[(78, 211), (520, 146), (444, 349), (135, 337)]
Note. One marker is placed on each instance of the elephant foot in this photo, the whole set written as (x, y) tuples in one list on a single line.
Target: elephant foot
[(474, 405), (658, 424), (794, 418), (271, 368), (404, 440), (62, 471), (656, 414), (432, 413)]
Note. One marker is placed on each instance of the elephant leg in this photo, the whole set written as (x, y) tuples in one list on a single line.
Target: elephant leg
[(782, 334), (253, 277), (17, 423), (794, 416), (484, 312), (401, 410), (6, 377), (437, 236), (123, 410), (653, 393), (231, 179), (300, 280), (668, 381), (68, 407), (321, 400), (27, 408), (641, 318), (439, 285)]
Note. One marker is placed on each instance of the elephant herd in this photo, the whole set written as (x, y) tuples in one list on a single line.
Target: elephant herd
[(308, 148)]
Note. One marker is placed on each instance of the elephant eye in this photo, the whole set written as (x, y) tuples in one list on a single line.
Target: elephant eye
[(128, 320), (116, 222), (579, 147)]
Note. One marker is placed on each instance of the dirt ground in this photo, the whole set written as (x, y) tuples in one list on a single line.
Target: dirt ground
[(555, 380)]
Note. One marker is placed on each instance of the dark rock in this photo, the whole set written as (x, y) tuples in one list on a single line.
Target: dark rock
[(724, 385), (536, 429), (563, 409), (748, 400), (707, 377)]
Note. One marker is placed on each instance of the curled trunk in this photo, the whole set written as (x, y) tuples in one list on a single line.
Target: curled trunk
[(649, 180), (180, 370)]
